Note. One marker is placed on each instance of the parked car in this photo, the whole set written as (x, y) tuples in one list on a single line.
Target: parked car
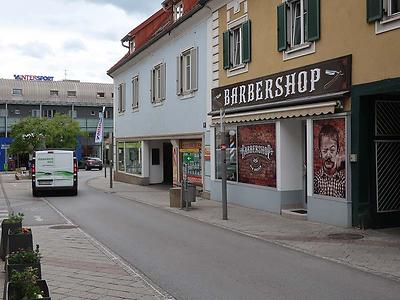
[(93, 163)]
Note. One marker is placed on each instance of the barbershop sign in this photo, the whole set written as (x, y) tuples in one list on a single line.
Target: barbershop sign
[(326, 77), (33, 77)]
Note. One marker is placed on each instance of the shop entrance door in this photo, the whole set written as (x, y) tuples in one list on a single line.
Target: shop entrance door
[(167, 163), (386, 201)]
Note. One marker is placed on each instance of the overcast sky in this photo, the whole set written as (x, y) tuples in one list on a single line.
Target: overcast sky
[(47, 37)]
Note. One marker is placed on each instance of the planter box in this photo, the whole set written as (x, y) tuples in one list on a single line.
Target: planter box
[(4, 236), (20, 268), (19, 241), (11, 291), (175, 197)]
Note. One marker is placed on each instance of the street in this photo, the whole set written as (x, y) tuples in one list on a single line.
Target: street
[(193, 260)]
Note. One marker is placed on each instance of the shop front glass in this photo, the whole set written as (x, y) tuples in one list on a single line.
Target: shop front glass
[(121, 163), (133, 158)]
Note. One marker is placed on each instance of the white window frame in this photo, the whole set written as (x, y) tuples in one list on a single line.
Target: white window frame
[(132, 45), (236, 46), (242, 67), (390, 20), (187, 72), (135, 92), (178, 10), (158, 83)]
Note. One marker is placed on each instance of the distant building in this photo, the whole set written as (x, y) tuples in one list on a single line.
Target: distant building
[(42, 99)]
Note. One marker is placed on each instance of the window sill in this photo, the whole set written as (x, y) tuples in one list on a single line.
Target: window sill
[(298, 51), (388, 24), (186, 95), (158, 103), (239, 69), (135, 109)]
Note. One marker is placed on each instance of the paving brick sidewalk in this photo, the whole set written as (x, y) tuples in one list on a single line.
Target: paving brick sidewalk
[(77, 267), (377, 251)]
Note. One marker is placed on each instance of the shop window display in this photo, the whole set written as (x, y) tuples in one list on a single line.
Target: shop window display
[(231, 154), (133, 155), (121, 164)]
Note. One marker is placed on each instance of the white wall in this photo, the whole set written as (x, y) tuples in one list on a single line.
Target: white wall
[(290, 154), (176, 115)]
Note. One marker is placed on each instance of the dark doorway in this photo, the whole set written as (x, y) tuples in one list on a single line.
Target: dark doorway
[(167, 159)]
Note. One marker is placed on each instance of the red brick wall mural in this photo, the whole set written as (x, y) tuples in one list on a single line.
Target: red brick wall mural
[(329, 157), (257, 154)]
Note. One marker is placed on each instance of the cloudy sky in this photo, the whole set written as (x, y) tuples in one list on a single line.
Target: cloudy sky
[(47, 37)]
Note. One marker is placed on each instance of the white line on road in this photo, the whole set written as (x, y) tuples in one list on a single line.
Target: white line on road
[(38, 218)]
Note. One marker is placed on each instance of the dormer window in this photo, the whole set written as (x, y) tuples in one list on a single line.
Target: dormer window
[(132, 45), (178, 10)]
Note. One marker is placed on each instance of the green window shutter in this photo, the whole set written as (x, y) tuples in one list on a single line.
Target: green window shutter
[(282, 31), (374, 10), (226, 44), (246, 41), (313, 20)]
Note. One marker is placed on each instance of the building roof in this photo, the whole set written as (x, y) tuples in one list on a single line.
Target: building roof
[(164, 26), (36, 92)]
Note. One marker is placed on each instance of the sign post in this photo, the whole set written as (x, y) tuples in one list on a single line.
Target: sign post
[(223, 167)]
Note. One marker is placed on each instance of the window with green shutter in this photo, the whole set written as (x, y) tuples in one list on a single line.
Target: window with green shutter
[(246, 42), (282, 39), (298, 23), (374, 10), (226, 50)]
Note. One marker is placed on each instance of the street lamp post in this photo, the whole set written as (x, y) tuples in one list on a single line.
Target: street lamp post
[(223, 166)]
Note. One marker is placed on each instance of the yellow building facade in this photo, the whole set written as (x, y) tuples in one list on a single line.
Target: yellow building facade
[(310, 92)]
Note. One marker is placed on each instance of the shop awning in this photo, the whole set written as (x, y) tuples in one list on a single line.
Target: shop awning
[(321, 108)]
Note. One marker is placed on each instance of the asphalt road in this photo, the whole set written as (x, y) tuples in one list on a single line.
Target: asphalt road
[(193, 260)]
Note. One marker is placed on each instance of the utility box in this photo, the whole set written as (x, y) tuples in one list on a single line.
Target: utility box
[(175, 197)]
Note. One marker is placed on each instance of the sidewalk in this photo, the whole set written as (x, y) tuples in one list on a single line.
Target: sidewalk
[(76, 267), (375, 251)]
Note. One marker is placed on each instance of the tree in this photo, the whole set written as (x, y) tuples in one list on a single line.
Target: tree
[(31, 134)]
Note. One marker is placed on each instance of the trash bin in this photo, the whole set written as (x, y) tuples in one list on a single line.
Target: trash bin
[(188, 195)]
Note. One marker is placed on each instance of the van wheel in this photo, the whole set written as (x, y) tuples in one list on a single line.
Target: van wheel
[(74, 191)]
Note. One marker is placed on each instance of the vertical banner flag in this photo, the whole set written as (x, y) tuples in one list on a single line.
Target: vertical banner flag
[(100, 127)]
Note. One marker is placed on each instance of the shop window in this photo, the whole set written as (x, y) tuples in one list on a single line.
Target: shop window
[(121, 97), (155, 156), (329, 157), (100, 95), (135, 92), (191, 160), (237, 46), (158, 84), (231, 153), (133, 158), (121, 157), (187, 72), (49, 113), (386, 14), (72, 113), (35, 113), (17, 92), (257, 154), (298, 27)]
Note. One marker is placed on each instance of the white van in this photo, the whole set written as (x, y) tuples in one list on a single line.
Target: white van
[(54, 170)]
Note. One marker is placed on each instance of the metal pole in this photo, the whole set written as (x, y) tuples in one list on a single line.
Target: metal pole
[(111, 159), (223, 167), (105, 160)]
